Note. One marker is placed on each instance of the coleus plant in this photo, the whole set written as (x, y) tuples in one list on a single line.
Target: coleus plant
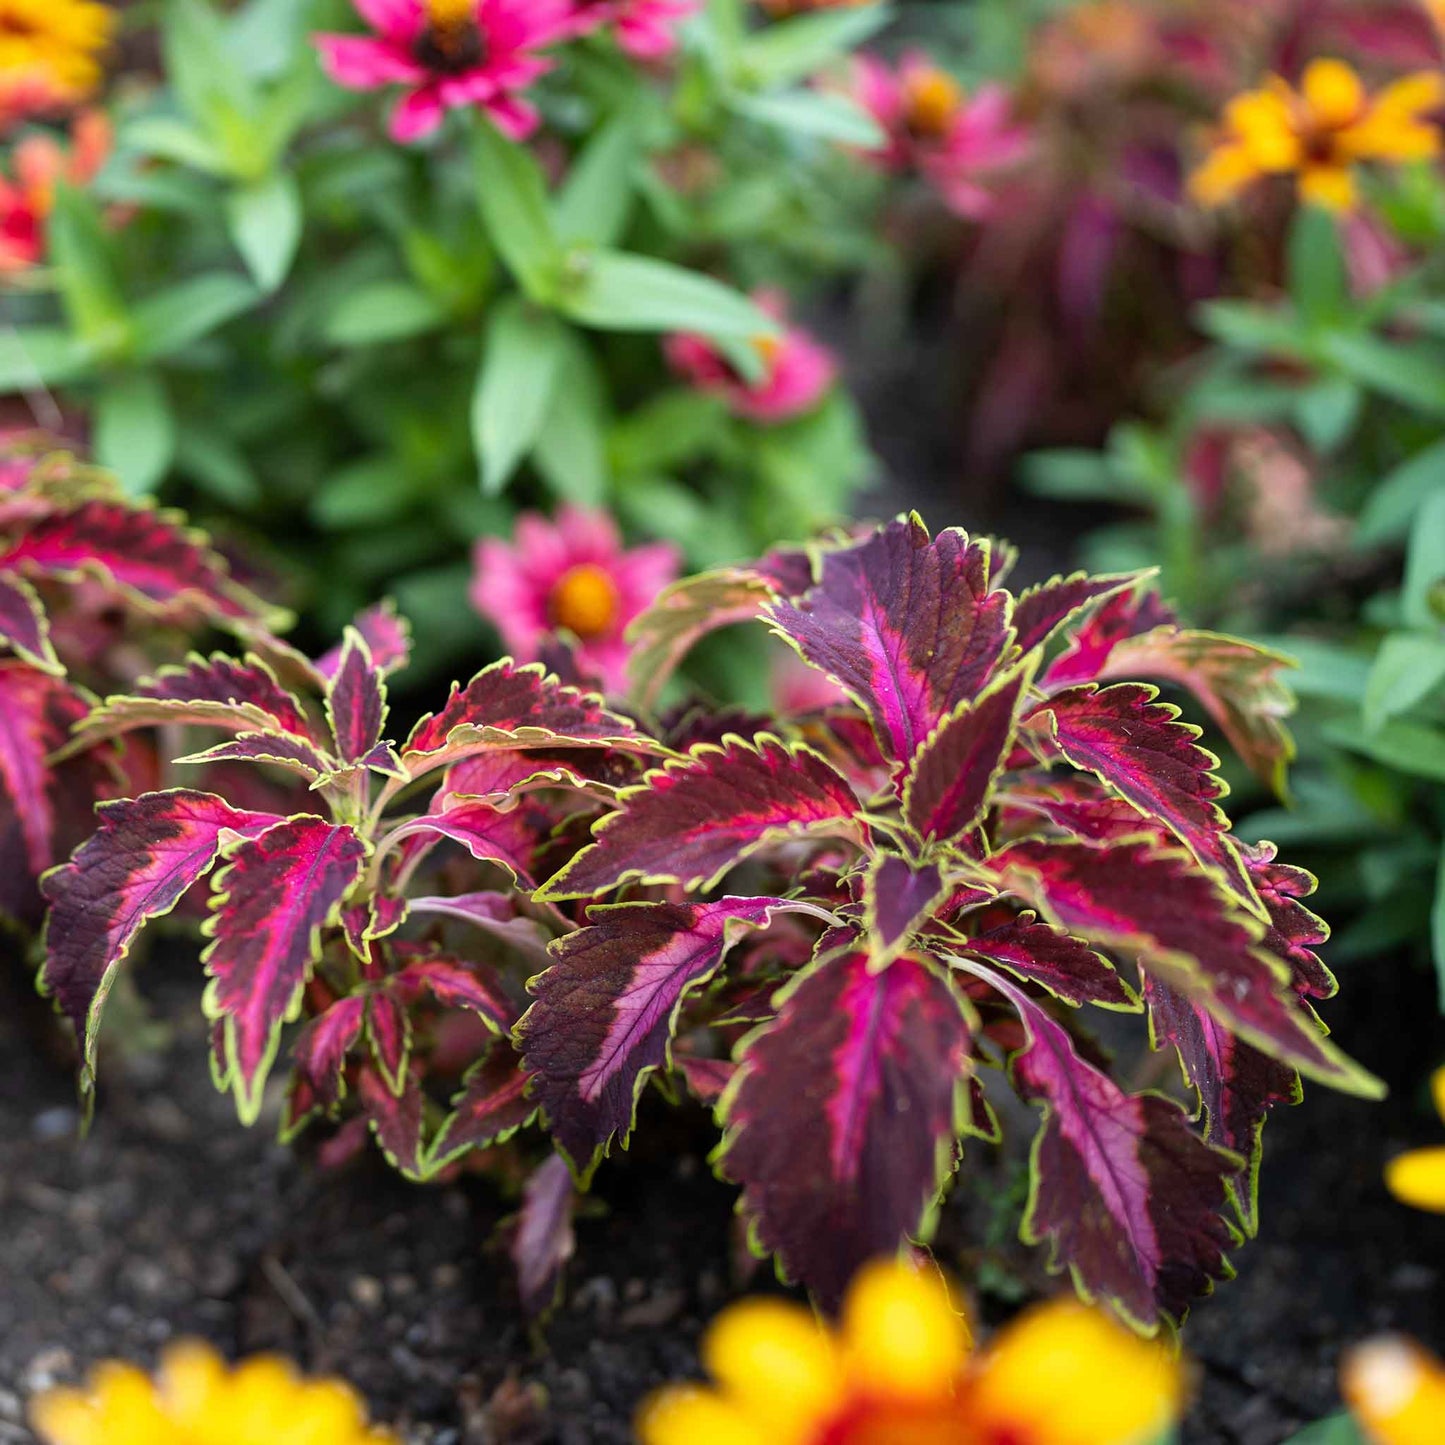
[(94, 586), (997, 828), (993, 828)]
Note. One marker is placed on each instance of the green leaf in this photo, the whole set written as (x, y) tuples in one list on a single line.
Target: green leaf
[(1408, 667), (264, 219), (166, 323), (374, 489), (1075, 474), (1337, 1430), (382, 311), (1327, 411), (85, 274), (212, 88), (617, 291), (36, 356), (792, 50), (1422, 602), (570, 450), (1415, 749), (135, 431), (1253, 328), (1399, 495), (512, 194), (1318, 282), (173, 139), (217, 465), (1412, 374), (672, 429), (1437, 927), (514, 389), (594, 203), (814, 113)]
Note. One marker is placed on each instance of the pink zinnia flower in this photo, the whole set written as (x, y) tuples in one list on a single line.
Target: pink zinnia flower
[(448, 53), (931, 127), (796, 369), (645, 29), (573, 574)]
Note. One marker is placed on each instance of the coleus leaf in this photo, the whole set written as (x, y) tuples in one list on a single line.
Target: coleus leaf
[(279, 750), (606, 1009), (1092, 643), (909, 627), (951, 777), (355, 700), (322, 1046), (494, 913), (145, 853), (492, 1106), (1294, 932), (276, 894), (1155, 904), (23, 625), (389, 1029), (840, 1125), (1125, 1193), (1048, 956), (1041, 611), (454, 983), (898, 896), (150, 557), (387, 636), (491, 835), (1138, 747), (543, 1239), (397, 1118), (691, 821)]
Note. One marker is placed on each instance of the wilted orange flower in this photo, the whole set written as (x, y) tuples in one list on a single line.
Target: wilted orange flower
[(1395, 1391), (38, 164), (1320, 133), (900, 1370), (1418, 1178)]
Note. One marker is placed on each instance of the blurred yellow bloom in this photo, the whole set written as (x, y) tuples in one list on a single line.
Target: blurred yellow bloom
[(1418, 1178), (195, 1399), (1395, 1391), (1319, 133), (900, 1370), (55, 44)]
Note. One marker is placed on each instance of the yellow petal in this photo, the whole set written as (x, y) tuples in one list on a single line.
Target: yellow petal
[(1418, 1179), (1262, 122), (1329, 186), (901, 1333), (777, 1363), (1065, 1374), (1396, 1391), (687, 1415), (1224, 173), (1412, 96), (1437, 1090), (191, 1377), (1333, 93), (66, 1417)]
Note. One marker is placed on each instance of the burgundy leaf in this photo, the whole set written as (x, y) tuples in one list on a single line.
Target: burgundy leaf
[(706, 1079), (322, 1046), (494, 913), (1126, 1194), (149, 556), (948, 784), (908, 627), (543, 1240), (1042, 610), (898, 896), (1124, 615), (606, 1010), (1294, 932), (1045, 955), (1139, 748), (396, 1120), (492, 1106), (355, 700), (23, 625), (272, 900), (455, 984), (840, 1126), (691, 821), (386, 634), (492, 835), (389, 1030), (145, 853), (281, 750), (1186, 931), (1236, 1083)]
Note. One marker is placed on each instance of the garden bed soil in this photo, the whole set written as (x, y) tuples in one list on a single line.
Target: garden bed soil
[(172, 1219)]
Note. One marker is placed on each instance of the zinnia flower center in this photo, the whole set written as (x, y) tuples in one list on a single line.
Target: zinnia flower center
[(932, 99), (584, 601), (452, 41)]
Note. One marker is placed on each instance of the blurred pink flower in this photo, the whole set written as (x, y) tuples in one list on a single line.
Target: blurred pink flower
[(572, 574), (645, 29), (932, 127), (448, 53), (797, 370)]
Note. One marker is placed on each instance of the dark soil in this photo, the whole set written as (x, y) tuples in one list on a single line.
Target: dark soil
[(170, 1218)]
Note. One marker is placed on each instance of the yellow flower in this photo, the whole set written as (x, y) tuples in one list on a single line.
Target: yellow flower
[(196, 1400), (55, 43), (900, 1370), (1418, 1177), (1396, 1391), (1319, 133)]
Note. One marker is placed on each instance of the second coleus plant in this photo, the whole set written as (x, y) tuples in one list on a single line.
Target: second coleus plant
[(830, 925)]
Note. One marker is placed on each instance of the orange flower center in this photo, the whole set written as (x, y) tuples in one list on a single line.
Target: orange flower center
[(584, 601), (931, 100), (769, 348), (895, 1422), (451, 42)]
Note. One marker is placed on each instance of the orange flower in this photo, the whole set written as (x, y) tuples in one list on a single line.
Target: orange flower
[(1319, 133), (1418, 1177), (39, 163), (49, 50), (1395, 1391)]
